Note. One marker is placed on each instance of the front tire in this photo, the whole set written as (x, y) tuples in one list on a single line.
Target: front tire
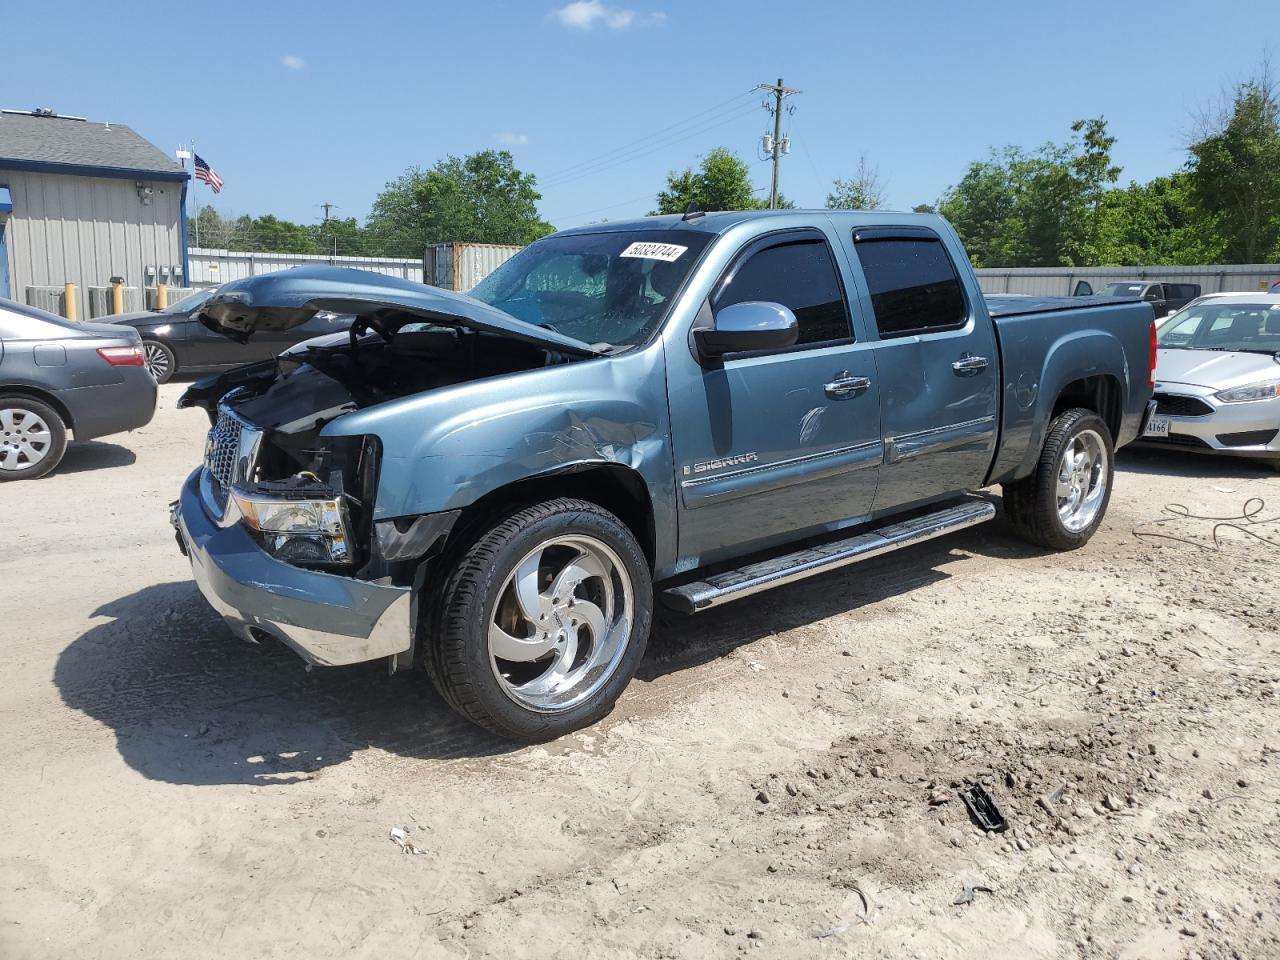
[(542, 621), (1061, 505), (160, 360), (33, 438)]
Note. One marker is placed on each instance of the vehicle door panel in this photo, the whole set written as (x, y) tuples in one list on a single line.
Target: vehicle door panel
[(766, 448), (206, 348), (936, 363)]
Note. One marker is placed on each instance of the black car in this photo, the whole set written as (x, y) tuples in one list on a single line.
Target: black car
[(1165, 298), (175, 339)]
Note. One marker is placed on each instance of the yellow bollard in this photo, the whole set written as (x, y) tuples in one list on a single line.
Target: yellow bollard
[(69, 301), (162, 296), (117, 295)]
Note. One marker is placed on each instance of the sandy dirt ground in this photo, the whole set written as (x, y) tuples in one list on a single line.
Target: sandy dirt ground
[(781, 780)]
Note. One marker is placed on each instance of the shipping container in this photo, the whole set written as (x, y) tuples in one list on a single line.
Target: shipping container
[(460, 266)]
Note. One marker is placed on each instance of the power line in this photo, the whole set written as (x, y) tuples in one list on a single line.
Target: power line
[(649, 151), (640, 140), (612, 206)]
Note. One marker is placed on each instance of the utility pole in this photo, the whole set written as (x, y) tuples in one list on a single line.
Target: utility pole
[(327, 206), (780, 93)]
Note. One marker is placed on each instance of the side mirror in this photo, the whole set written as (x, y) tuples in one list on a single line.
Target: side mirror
[(742, 327)]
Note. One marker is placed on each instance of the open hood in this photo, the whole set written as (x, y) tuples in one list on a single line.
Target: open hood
[(281, 301)]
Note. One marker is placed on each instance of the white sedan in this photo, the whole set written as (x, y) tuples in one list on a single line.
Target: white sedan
[(1218, 377)]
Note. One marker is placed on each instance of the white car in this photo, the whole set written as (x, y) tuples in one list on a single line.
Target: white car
[(1218, 377)]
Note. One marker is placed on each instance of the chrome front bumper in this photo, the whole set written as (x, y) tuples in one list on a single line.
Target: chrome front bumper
[(329, 620)]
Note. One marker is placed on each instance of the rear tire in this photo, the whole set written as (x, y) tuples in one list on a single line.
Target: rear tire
[(542, 620), (160, 359), (33, 438), (1062, 503)]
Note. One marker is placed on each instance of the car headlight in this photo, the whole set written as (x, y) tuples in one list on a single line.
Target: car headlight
[(298, 530), (1266, 390)]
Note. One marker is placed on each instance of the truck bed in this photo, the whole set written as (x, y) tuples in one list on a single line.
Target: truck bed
[(1017, 305), (1073, 346)]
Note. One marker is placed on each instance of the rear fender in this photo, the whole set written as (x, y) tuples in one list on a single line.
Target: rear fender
[(1030, 397)]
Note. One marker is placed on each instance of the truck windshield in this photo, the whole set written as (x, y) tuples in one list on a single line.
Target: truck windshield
[(1246, 327), (613, 288)]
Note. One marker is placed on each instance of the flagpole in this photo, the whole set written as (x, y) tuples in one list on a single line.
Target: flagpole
[(194, 181)]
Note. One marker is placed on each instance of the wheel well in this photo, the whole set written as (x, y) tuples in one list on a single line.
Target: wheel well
[(35, 393), (618, 489), (1101, 394)]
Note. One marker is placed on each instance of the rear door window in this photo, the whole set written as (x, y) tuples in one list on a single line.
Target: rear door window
[(801, 275), (914, 286)]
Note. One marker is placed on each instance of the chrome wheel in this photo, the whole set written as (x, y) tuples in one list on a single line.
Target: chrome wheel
[(159, 360), (25, 439), (1082, 480), (561, 624)]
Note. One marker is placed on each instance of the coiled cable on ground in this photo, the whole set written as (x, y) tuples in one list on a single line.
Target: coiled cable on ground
[(1249, 522)]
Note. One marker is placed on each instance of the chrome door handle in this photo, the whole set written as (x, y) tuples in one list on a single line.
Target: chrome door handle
[(845, 386), (968, 365)]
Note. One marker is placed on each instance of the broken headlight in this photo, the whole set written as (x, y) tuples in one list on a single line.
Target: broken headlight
[(299, 530)]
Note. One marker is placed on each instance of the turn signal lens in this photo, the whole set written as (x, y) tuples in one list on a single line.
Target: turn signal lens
[(122, 356)]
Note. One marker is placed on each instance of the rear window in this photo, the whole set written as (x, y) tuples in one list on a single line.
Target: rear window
[(1122, 290), (913, 284), (19, 321)]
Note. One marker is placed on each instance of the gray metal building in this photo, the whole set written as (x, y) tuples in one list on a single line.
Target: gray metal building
[(83, 202)]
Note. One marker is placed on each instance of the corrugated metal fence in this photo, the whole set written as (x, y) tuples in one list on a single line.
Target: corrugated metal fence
[(212, 267), (1061, 281)]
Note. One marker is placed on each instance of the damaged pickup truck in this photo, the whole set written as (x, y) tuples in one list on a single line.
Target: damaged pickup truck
[(499, 487)]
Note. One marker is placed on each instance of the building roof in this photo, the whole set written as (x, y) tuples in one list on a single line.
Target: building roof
[(83, 147)]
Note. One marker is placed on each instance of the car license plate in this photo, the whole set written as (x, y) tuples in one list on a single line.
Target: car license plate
[(1157, 427)]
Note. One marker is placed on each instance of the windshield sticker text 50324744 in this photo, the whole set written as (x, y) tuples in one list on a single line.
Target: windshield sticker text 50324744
[(669, 252)]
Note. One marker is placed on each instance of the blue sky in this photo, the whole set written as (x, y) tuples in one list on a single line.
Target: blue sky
[(299, 103)]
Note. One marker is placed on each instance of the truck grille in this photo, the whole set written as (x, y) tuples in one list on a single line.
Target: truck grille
[(1177, 405), (228, 454)]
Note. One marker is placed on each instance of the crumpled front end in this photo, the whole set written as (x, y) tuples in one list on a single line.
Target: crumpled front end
[(330, 619)]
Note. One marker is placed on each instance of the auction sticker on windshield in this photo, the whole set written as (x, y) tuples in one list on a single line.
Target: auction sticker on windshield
[(670, 252)]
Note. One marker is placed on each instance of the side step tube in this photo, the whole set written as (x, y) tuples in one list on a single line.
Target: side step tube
[(755, 577)]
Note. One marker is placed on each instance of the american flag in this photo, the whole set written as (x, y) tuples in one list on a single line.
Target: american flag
[(208, 174)]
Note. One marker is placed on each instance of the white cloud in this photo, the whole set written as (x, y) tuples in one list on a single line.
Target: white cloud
[(587, 14), (293, 62), (512, 139)]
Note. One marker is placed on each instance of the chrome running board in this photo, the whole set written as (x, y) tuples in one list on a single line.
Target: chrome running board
[(766, 574)]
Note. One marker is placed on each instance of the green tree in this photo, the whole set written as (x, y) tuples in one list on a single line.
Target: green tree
[(480, 198), (1158, 222), (720, 182), (1235, 171), (271, 234), (344, 237), (924, 208), (210, 229), (1035, 209), (862, 191)]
